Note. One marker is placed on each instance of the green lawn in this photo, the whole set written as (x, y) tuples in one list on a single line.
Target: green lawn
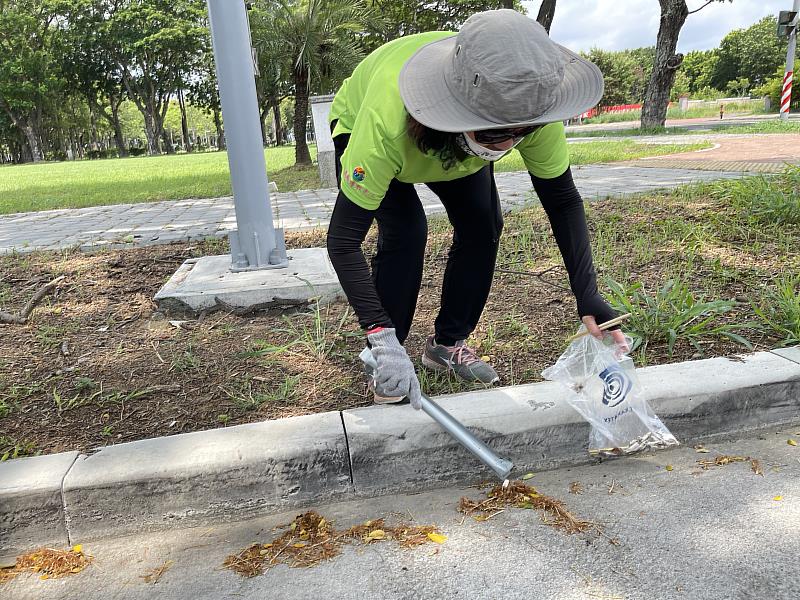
[(589, 153), (77, 184), (25, 188)]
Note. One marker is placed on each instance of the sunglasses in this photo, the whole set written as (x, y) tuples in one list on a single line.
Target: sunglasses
[(496, 136)]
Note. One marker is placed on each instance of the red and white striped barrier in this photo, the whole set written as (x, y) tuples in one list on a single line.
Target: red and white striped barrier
[(786, 93)]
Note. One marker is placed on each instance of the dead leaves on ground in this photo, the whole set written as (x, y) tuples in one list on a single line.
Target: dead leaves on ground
[(311, 539), (49, 563), (520, 495), (725, 459)]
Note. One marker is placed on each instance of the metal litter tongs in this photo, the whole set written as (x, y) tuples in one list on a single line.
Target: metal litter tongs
[(501, 466)]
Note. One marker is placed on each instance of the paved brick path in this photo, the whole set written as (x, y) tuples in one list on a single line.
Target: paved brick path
[(127, 225), (754, 153), (714, 165)]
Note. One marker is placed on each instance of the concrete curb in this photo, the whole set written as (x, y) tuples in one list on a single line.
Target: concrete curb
[(236, 472)]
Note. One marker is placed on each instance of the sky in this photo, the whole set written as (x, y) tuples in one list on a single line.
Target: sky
[(619, 24)]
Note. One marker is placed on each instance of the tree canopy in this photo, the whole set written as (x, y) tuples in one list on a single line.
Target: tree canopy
[(94, 78)]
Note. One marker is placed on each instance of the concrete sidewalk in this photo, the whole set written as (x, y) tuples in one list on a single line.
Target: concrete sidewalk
[(132, 225), (684, 534), (260, 468)]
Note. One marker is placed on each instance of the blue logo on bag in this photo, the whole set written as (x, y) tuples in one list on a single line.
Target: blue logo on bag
[(617, 385)]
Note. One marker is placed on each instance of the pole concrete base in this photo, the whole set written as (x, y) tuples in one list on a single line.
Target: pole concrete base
[(207, 284)]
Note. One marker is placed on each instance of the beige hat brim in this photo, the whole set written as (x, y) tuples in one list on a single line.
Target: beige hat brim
[(428, 99)]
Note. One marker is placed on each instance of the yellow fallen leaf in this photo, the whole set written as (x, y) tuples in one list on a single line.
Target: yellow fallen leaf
[(77, 548), (76, 570), (376, 534), (437, 537), (266, 545), (669, 467), (43, 577), (778, 498), (299, 545), (527, 476), (485, 358), (791, 442), (263, 552), (321, 523)]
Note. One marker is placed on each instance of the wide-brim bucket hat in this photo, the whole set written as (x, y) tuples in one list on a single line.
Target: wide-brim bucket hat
[(501, 70)]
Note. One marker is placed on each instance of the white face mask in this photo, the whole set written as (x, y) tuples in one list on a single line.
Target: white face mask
[(472, 147)]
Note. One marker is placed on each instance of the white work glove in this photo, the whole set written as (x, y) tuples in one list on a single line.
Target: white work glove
[(394, 375)]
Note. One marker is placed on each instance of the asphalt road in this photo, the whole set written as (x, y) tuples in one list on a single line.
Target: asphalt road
[(681, 533)]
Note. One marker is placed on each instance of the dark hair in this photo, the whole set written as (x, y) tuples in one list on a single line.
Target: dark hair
[(442, 143)]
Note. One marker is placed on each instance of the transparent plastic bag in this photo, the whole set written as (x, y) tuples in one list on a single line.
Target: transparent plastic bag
[(608, 395)]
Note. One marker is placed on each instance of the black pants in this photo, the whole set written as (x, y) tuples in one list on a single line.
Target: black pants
[(473, 207)]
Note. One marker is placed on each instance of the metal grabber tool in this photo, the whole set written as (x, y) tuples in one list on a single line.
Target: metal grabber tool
[(501, 466)]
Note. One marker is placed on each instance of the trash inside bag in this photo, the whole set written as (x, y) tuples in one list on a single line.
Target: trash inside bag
[(609, 396)]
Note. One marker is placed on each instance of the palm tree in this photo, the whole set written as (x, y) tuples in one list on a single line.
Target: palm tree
[(318, 42)]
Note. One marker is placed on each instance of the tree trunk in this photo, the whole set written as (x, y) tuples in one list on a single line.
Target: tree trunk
[(31, 148), (656, 97), (33, 143), (168, 145), (301, 154), (74, 145), (184, 122), (220, 131), (276, 116), (150, 132), (546, 13), (119, 139), (95, 144), (262, 117), (25, 155)]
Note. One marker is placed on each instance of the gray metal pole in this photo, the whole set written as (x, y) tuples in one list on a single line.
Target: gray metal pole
[(256, 244), (786, 89)]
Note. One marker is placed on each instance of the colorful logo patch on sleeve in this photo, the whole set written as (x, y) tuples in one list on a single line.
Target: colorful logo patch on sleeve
[(359, 174)]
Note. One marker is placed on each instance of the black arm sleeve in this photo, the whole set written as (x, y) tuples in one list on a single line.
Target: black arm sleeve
[(564, 207), (349, 226)]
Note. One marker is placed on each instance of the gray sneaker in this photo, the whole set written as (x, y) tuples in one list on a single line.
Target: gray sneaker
[(460, 359)]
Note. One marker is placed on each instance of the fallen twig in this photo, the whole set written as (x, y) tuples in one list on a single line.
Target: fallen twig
[(538, 275), (22, 318)]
